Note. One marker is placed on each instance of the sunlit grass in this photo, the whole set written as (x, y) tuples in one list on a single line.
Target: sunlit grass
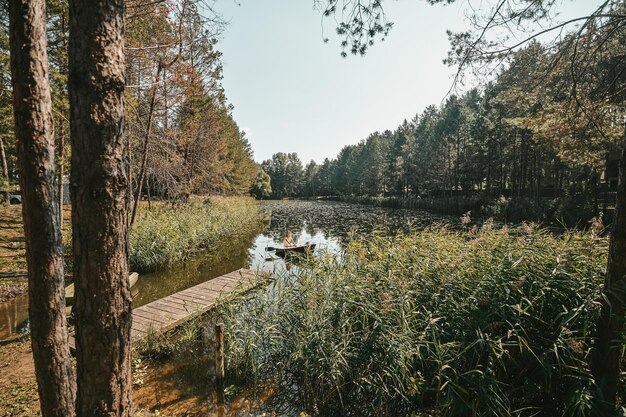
[(475, 323)]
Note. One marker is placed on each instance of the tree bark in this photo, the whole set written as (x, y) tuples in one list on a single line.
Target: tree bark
[(40, 208), (100, 208), (607, 352)]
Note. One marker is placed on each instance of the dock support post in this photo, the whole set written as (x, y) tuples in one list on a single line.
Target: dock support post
[(219, 352), (219, 361)]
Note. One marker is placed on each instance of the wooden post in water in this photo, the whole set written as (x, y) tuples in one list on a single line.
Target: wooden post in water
[(219, 361), (219, 352)]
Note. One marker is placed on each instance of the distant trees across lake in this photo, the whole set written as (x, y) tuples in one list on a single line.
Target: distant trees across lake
[(507, 139)]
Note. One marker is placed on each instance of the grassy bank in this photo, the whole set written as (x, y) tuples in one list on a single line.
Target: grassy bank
[(440, 323), (166, 235), (162, 236), (569, 210)]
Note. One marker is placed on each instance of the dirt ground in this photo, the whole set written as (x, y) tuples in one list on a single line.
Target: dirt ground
[(154, 388), (18, 387), (161, 388)]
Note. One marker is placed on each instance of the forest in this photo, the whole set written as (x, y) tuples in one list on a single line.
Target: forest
[(181, 136), (481, 319), (517, 142)]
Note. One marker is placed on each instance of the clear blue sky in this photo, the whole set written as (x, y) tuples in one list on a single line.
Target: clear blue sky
[(294, 93)]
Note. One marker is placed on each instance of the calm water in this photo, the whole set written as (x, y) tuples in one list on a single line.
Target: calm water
[(328, 224)]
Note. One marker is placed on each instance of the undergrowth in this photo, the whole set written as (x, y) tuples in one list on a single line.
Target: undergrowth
[(482, 322)]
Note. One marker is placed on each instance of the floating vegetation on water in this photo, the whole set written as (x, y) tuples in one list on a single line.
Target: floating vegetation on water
[(338, 219), (482, 322)]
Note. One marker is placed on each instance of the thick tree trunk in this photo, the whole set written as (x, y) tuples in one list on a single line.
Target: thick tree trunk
[(40, 206), (607, 353), (5, 168), (100, 208)]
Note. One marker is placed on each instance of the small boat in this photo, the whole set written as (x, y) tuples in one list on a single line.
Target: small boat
[(304, 250), (69, 290)]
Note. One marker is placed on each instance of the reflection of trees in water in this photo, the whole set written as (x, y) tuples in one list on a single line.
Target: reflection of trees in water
[(219, 259), (14, 317), (334, 219)]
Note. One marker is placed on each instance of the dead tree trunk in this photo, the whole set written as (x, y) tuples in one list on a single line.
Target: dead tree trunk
[(607, 352), (61, 172), (40, 207), (146, 142), (5, 168), (99, 208)]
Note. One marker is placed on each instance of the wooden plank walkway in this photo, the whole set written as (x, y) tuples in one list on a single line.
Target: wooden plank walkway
[(167, 313)]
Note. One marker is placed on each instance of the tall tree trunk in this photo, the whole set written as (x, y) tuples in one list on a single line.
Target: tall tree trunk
[(100, 208), (40, 206), (146, 142), (605, 188), (607, 352), (148, 191), (5, 168), (61, 172)]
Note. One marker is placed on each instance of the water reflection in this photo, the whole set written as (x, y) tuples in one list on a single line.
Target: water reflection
[(14, 318), (331, 220), (221, 259)]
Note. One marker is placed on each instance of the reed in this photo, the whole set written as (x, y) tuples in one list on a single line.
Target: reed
[(481, 322), (166, 235)]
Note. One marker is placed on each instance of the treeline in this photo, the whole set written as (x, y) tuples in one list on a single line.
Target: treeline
[(508, 141), (180, 133)]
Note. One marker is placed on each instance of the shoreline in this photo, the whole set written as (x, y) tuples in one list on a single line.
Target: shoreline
[(560, 211), (10, 290)]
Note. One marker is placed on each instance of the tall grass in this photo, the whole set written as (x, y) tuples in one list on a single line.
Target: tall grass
[(476, 323), (167, 235)]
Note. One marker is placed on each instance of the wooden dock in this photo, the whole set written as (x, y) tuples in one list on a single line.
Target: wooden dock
[(167, 313)]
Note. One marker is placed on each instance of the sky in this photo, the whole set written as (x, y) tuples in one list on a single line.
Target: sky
[(294, 93)]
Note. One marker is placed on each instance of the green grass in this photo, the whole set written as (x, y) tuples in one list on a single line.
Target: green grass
[(475, 323), (166, 235)]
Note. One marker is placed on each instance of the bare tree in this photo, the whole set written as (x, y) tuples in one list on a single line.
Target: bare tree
[(100, 208), (44, 250), (5, 168)]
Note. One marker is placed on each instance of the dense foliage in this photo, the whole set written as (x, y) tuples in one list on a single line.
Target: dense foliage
[(180, 130), (483, 322)]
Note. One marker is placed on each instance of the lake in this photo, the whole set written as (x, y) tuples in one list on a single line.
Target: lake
[(327, 224)]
